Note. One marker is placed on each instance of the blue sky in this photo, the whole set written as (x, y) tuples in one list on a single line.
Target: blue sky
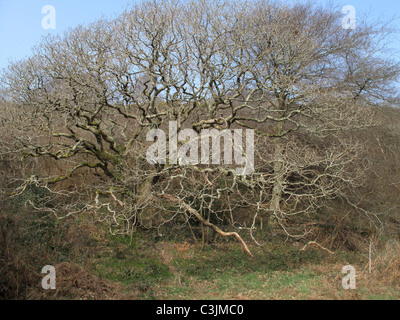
[(21, 20)]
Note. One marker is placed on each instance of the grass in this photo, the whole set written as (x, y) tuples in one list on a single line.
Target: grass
[(92, 264), (212, 263), (132, 270), (277, 271)]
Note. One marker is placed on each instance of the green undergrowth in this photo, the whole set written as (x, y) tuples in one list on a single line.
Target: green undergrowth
[(224, 271), (126, 260), (210, 263)]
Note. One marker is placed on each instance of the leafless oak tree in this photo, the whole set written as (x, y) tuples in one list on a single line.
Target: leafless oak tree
[(84, 102)]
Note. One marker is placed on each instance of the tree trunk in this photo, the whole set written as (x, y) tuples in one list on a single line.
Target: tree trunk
[(278, 167)]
